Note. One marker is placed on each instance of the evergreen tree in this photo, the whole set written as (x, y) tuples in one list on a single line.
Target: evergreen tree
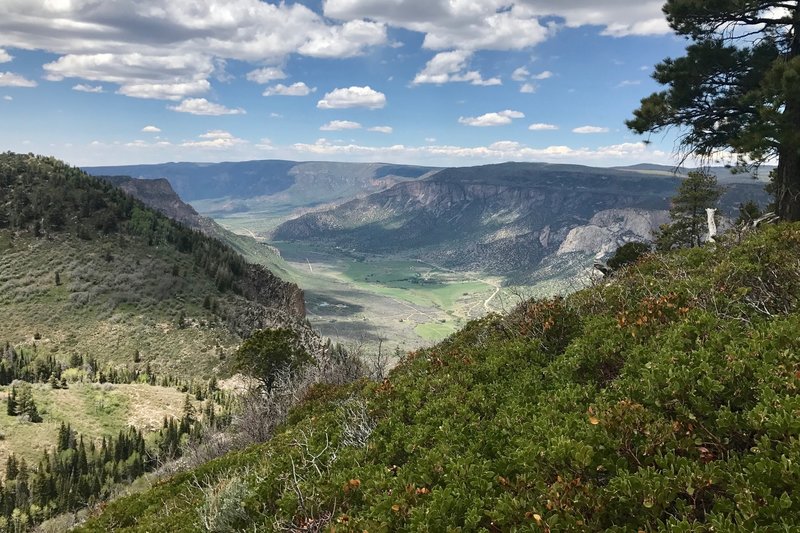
[(12, 468), (11, 402), (688, 212), (268, 352), (737, 88), (25, 403)]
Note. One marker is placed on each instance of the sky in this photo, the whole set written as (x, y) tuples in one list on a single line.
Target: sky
[(429, 82)]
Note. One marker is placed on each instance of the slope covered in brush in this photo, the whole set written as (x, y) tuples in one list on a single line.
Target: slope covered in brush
[(664, 399), (87, 269)]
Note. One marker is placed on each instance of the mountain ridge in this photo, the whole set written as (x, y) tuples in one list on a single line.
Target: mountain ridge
[(502, 218)]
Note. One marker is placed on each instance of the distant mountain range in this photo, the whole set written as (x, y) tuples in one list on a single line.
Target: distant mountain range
[(511, 219), (276, 187)]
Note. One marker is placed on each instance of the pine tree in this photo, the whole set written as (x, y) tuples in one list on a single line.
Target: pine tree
[(11, 402), (736, 89), (696, 193)]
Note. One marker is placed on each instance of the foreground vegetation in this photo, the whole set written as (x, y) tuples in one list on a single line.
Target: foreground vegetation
[(664, 399)]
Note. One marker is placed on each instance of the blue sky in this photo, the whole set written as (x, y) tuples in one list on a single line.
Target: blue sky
[(440, 82)]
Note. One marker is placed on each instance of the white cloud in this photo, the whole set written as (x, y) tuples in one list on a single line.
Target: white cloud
[(337, 125), (165, 91), (451, 66), (201, 106), (295, 89), (543, 75), (347, 40), (520, 74), (216, 134), (493, 25), (86, 88), (140, 76), (266, 75), (381, 129), (10, 79), (151, 129), (618, 154), (353, 97), (590, 129), (501, 118), (172, 48), (5, 57), (629, 83), (528, 88), (540, 126), (8, 98)]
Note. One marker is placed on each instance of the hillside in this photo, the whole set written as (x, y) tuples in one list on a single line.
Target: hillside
[(158, 194), (87, 269), (504, 219), (664, 399)]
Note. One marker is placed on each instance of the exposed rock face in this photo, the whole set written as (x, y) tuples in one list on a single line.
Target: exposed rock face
[(610, 229)]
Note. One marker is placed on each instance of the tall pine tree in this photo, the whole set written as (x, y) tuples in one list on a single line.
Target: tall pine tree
[(737, 88)]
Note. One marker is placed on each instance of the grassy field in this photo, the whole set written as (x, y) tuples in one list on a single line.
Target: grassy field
[(405, 303), (94, 410)]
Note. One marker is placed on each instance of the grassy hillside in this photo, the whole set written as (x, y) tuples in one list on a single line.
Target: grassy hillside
[(86, 269), (664, 399)]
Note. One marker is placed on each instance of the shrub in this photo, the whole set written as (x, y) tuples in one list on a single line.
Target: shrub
[(627, 253)]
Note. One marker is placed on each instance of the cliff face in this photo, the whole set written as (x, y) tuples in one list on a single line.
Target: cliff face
[(502, 219)]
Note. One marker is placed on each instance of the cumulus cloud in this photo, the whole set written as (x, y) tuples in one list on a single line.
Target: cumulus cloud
[(353, 97), (151, 129), (451, 66), (337, 125), (8, 98), (501, 118), (347, 40), (487, 24), (493, 25), (215, 139), (295, 89), (381, 129), (171, 48), (11, 79), (540, 126), (520, 74), (86, 88), (5, 57), (201, 106), (266, 75), (590, 129), (543, 75), (528, 88)]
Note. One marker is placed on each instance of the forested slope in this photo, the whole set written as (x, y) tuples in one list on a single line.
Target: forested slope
[(87, 269)]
